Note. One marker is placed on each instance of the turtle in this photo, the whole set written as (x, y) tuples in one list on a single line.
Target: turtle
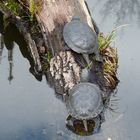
[(81, 38), (84, 102)]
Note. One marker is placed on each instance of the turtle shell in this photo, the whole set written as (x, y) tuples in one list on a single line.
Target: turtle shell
[(84, 101), (80, 37)]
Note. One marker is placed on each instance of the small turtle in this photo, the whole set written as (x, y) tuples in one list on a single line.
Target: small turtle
[(79, 37), (84, 102)]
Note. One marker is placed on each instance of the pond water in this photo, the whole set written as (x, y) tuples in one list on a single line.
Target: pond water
[(30, 109)]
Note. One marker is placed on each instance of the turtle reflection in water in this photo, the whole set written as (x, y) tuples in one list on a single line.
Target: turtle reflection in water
[(80, 38), (85, 105)]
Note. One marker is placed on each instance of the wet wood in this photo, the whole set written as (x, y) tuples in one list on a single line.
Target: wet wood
[(55, 14)]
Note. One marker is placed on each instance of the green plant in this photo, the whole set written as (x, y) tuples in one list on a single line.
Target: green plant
[(32, 9), (46, 58), (110, 57), (33, 6), (12, 6), (105, 42)]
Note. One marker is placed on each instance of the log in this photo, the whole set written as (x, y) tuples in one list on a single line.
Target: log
[(55, 14), (65, 70)]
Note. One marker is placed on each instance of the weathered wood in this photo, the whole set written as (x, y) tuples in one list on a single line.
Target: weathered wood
[(64, 68), (56, 13)]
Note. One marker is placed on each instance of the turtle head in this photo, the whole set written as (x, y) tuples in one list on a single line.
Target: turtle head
[(75, 18)]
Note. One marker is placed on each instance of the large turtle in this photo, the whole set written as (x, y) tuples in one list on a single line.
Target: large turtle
[(84, 102), (79, 37)]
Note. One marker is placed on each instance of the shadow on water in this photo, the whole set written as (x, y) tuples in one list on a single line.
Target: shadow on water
[(10, 36)]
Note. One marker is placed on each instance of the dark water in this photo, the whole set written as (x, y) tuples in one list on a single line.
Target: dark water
[(29, 110)]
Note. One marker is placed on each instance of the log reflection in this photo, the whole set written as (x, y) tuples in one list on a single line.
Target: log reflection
[(1, 46), (9, 36), (10, 60), (124, 10)]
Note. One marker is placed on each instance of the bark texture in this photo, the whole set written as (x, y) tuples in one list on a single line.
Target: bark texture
[(65, 66)]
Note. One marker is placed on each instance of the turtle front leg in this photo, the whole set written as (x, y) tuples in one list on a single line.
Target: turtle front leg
[(69, 123), (98, 57), (86, 57)]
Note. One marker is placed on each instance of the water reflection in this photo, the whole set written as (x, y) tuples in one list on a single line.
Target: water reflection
[(11, 36), (10, 57), (124, 125), (77, 126), (10, 60), (123, 11), (1, 46)]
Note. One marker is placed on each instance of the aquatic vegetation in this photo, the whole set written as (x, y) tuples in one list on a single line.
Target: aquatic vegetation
[(13, 6), (46, 58), (105, 42), (32, 9), (110, 58), (32, 6), (113, 104)]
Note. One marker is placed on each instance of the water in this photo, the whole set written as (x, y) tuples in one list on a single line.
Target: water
[(29, 108)]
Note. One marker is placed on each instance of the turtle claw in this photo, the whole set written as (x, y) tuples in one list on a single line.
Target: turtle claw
[(98, 58), (85, 125)]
